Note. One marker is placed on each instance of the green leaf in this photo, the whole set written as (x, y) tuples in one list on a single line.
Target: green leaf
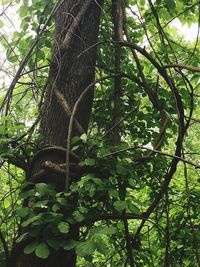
[(171, 5), (133, 208), (83, 137), (85, 248), (25, 26), (101, 246), (30, 248), (22, 212), (75, 148), (104, 230), (1, 23), (28, 193), (54, 243), (32, 220), (132, 182), (12, 58), (41, 204), (70, 244), (83, 210), (78, 216), (63, 227), (75, 140), (41, 55), (55, 207), (42, 251), (62, 201), (22, 238), (23, 11), (42, 188), (120, 205), (88, 162)]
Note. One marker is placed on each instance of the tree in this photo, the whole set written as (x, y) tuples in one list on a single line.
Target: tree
[(101, 184), (76, 30)]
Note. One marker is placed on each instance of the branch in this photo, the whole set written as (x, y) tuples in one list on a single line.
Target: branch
[(4, 9), (169, 81), (153, 96), (118, 21), (128, 240), (193, 119), (181, 66), (166, 182), (117, 16), (101, 217), (5, 247)]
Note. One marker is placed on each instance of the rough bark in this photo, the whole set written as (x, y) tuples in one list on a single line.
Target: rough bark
[(72, 70)]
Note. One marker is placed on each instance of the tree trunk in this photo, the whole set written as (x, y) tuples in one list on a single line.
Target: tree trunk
[(72, 70)]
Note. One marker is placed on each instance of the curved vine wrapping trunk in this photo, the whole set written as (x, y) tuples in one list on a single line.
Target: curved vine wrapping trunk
[(72, 70)]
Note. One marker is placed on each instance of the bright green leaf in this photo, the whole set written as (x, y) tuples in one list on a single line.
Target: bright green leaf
[(42, 251), (83, 137), (63, 227)]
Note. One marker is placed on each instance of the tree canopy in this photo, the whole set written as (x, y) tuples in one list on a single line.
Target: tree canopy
[(132, 188)]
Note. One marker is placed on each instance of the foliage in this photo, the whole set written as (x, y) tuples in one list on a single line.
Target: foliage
[(124, 180)]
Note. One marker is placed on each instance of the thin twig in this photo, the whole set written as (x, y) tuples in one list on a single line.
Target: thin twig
[(197, 166), (67, 180), (124, 118)]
